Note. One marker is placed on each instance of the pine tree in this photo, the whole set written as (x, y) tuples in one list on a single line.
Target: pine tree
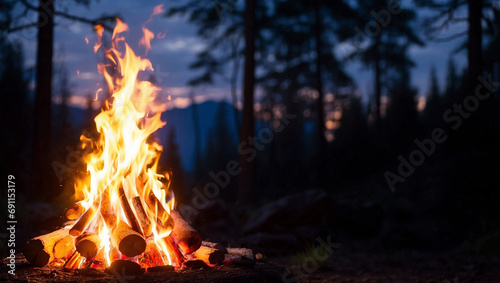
[(433, 106), (383, 48), (173, 164)]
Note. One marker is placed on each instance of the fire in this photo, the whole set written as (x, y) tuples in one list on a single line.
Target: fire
[(127, 203)]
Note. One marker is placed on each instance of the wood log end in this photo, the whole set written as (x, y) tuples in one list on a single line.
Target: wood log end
[(132, 245), (87, 248), (35, 254), (210, 255), (74, 211)]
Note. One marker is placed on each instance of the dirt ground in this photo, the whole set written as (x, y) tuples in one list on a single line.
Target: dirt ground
[(344, 265)]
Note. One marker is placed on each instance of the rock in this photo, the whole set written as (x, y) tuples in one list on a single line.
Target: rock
[(307, 208), (271, 243)]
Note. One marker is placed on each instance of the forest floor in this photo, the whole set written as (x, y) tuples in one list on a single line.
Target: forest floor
[(343, 266), (398, 266)]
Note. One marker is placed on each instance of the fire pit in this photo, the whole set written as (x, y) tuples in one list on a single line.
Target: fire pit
[(125, 222)]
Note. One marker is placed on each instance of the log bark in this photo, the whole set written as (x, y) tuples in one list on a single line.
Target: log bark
[(210, 255), (174, 252), (237, 260), (214, 245), (75, 211), (83, 222), (39, 251), (248, 253), (142, 217), (152, 255), (107, 213), (164, 222), (88, 245), (128, 211), (128, 241), (186, 237)]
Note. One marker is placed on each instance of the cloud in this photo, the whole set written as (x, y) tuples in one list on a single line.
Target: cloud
[(190, 44), (89, 76)]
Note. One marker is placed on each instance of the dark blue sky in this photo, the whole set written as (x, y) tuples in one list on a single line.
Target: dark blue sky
[(171, 55)]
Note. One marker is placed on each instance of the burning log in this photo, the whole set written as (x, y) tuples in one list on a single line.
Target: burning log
[(186, 237), (39, 251), (75, 211), (73, 261), (142, 217), (173, 249), (163, 221), (151, 256), (128, 211), (128, 241), (63, 247), (210, 255), (106, 210), (88, 245), (214, 245), (83, 222)]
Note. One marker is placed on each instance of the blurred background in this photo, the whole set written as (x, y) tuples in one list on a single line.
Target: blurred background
[(372, 121)]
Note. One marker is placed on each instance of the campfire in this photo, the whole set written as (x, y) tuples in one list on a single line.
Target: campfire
[(126, 213)]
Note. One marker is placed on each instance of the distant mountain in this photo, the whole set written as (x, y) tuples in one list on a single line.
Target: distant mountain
[(182, 120)]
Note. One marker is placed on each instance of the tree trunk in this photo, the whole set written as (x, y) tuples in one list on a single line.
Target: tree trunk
[(234, 81), (197, 137), (319, 86), (42, 126), (247, 177), (474, 46), (378, 82)]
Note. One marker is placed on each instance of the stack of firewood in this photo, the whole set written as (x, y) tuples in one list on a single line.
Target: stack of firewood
[(69, 246)]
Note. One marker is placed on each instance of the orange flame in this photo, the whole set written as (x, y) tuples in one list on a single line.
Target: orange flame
[(148, 35), (123, 162)]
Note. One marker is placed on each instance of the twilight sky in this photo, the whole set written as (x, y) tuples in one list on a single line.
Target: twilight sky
[(171, 55)]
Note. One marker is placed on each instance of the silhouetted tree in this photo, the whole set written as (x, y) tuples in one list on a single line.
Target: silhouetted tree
[(246, 190), (303, 57), (433, 106), (15, 111), (352, 149), (402, 123), (379, 49), (197, 138), (449, 12), (63, 125), (43, 91), (452, 79), (220, 23), (173, 164), (220, 149), (217, 31)]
